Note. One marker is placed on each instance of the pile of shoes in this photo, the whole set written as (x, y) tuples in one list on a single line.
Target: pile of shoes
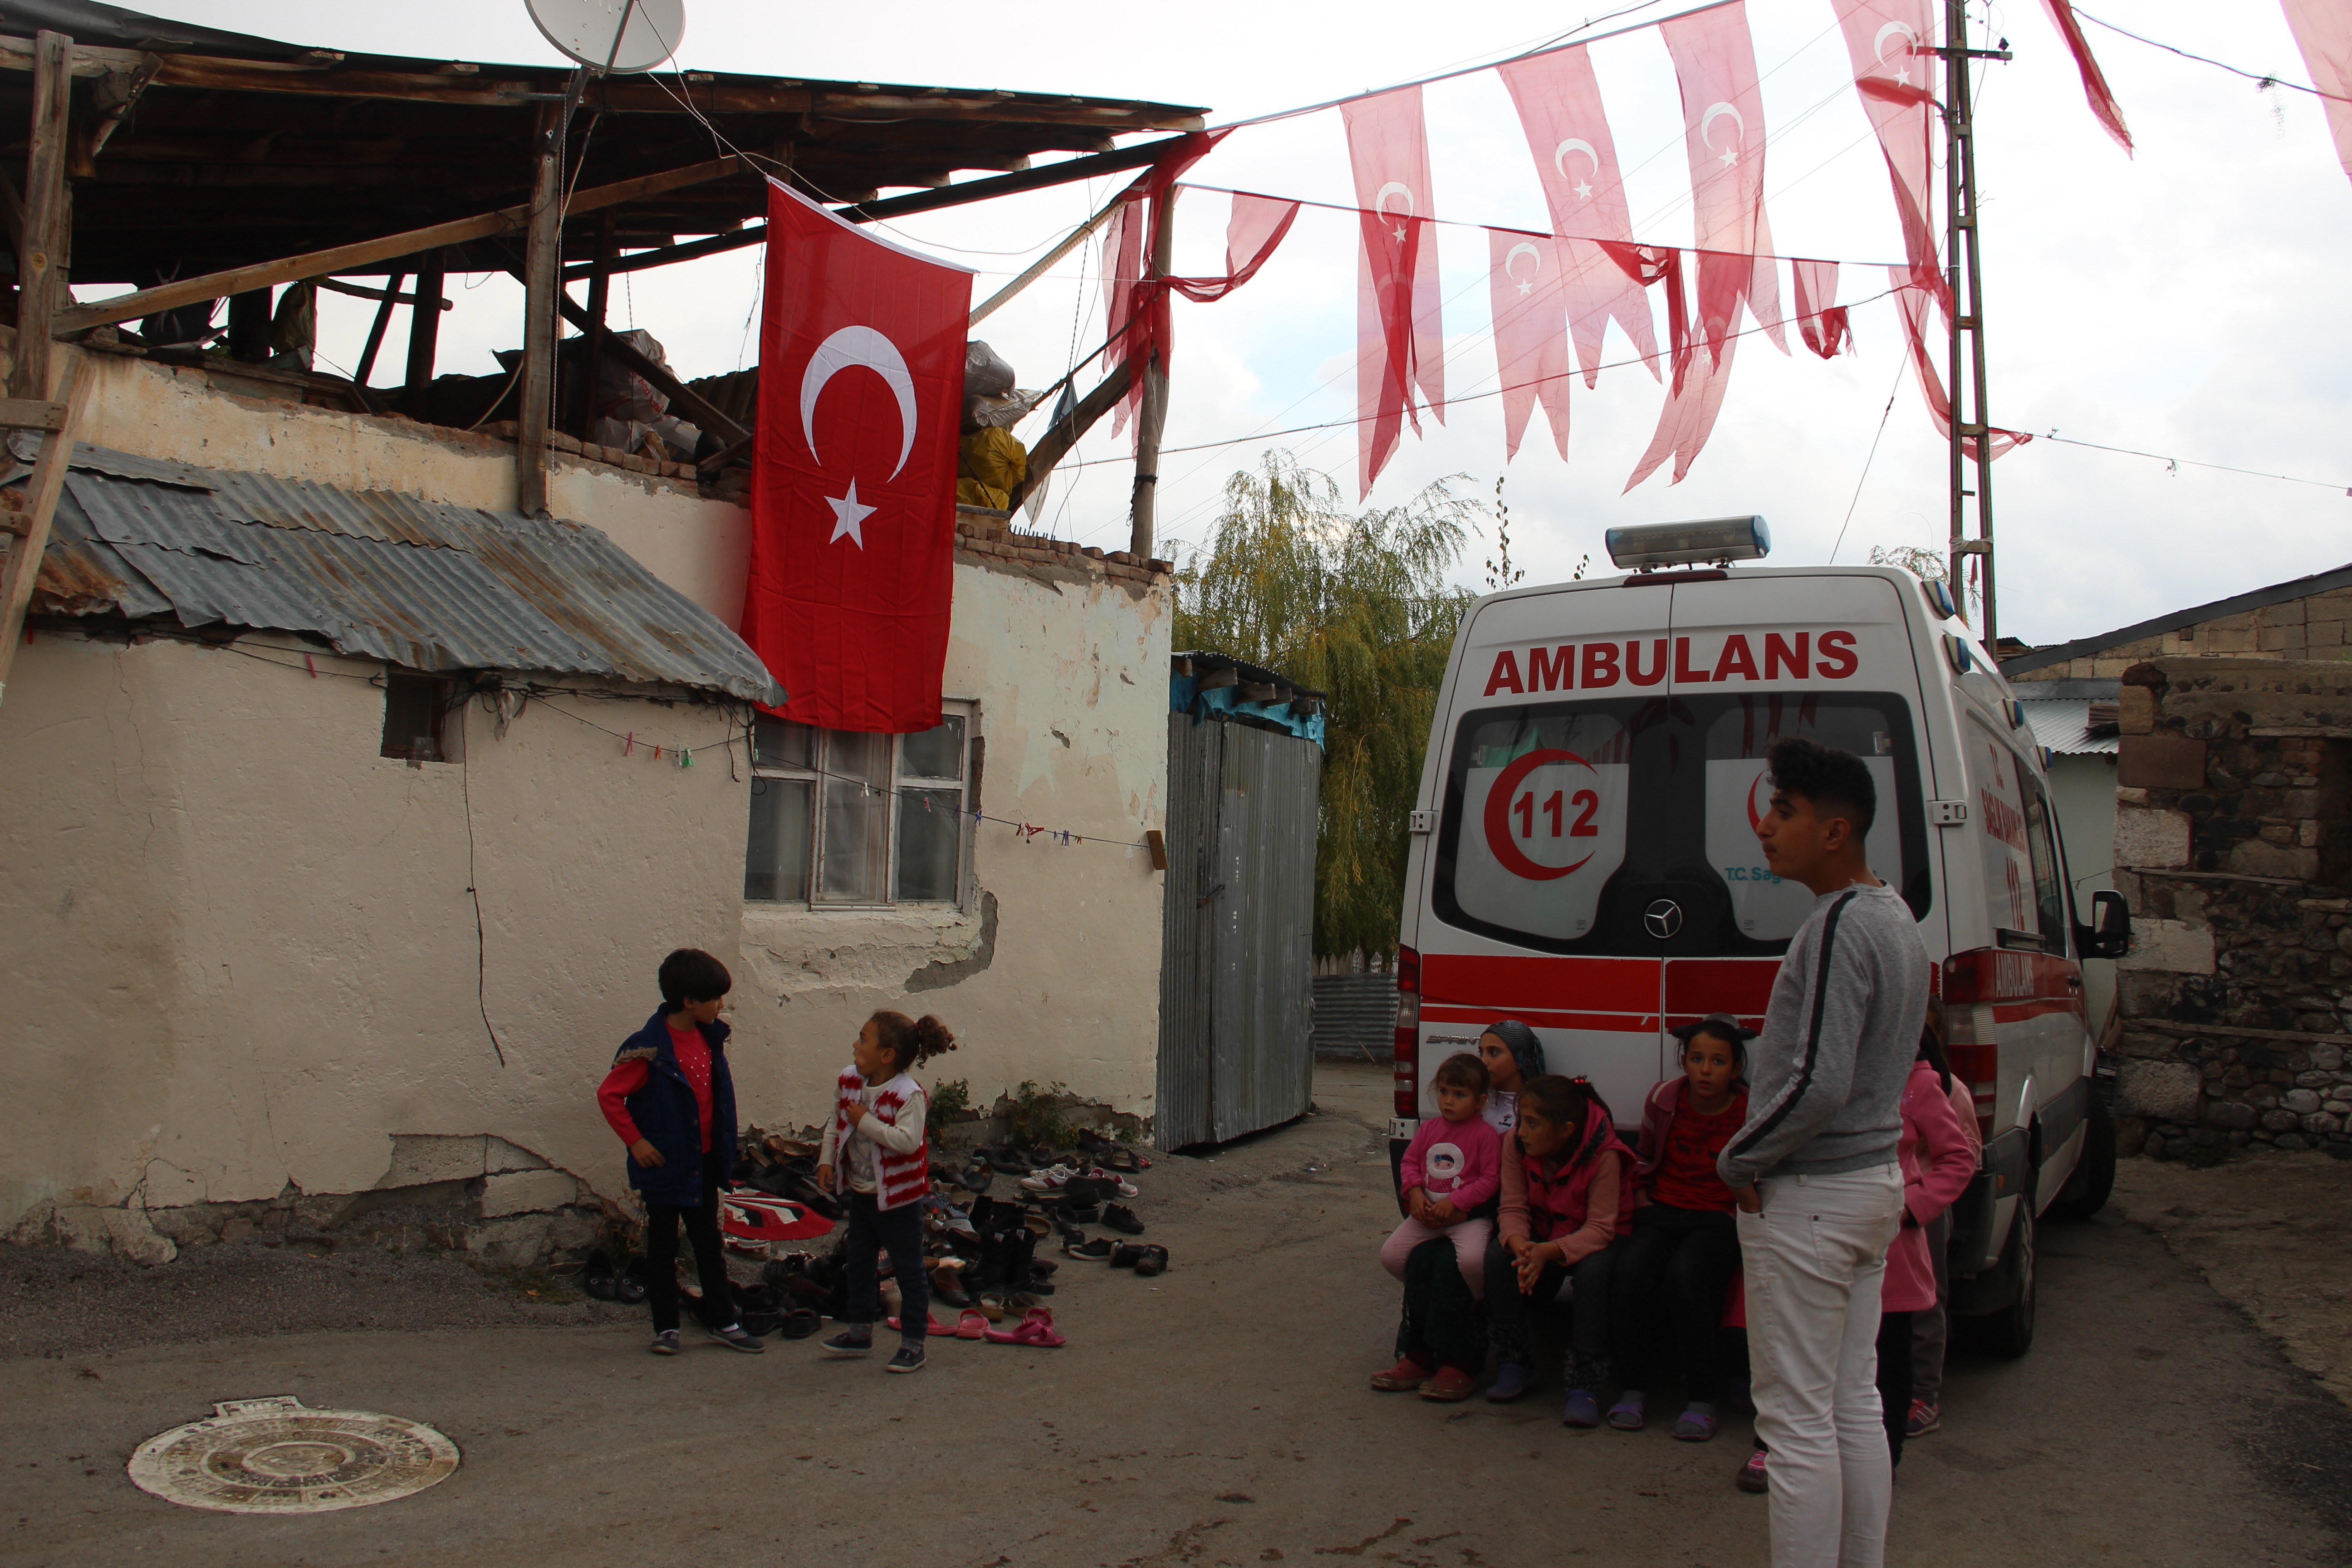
[(785, 1168), (1073, 1188)]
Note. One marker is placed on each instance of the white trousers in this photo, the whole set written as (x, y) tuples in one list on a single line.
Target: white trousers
[(1815, 1260)]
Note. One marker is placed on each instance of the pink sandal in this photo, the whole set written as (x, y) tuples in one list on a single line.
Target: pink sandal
[(933, 1327), (972, 1324), (1036, 1329)]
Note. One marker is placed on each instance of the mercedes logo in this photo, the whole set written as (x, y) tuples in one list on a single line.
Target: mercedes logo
[(1664, 918)]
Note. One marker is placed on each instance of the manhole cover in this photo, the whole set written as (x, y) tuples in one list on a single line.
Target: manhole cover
[(279, 1455)]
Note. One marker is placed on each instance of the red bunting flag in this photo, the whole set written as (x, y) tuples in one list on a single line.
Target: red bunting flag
[(1911, 300), (2095, 81), (1400, 333), (1892, 46), (2323, 31), (1820, 321), (1530, 350), (852, 488), (1559, 99), (1135, 304)]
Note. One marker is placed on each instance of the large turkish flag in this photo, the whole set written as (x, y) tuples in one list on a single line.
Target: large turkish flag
[(853, 474)]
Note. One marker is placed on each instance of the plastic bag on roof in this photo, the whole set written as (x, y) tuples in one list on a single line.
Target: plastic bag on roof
[(985, 373), (621, 392)]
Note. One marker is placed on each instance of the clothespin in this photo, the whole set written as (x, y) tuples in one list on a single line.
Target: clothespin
[(686, 758), (658, 754), (629, 746), (310, 667)]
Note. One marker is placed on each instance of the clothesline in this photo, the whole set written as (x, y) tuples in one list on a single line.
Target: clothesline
[(1503, 227)]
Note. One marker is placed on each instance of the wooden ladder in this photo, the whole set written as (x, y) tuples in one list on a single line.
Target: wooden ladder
[(27, 522)]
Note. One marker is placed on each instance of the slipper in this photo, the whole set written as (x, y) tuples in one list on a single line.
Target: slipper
[(991, 1305), (799, 1324), (1693, 1427), (931, 1326), (1627, 1416), (1154, 1261), (598, 1280), (1127, 1255), (1118, 1160), (971, 1325), (631, 1284), (1036, 1329), (1118, 1217)]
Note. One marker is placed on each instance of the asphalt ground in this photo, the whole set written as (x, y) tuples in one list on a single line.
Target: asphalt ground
[(1215, 1415)]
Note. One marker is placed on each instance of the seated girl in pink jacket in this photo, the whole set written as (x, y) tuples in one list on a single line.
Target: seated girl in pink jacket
[(1449, 1172)]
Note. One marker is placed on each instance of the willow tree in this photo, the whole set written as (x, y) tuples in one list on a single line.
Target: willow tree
[(1355, 605)]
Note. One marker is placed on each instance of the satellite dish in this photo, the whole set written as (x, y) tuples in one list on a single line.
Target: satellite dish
[(612, 35)]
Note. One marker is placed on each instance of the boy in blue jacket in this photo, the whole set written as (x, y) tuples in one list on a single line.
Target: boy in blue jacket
[(672, 1100)]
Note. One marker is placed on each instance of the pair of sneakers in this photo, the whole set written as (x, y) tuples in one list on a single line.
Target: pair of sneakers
[(852, 1344), (733, 1336)]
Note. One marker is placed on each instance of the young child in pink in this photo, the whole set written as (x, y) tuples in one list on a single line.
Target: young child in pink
[(1452, 1169)]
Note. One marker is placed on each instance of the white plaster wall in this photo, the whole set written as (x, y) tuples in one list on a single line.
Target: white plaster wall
[(237, 945)]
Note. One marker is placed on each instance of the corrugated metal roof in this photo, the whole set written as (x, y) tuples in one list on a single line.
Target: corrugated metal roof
[(378, 575), (2063, 725)]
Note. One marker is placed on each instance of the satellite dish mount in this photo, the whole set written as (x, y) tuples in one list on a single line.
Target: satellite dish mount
[(611, 36)]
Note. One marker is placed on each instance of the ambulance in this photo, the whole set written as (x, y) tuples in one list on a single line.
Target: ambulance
[(1583, 857)]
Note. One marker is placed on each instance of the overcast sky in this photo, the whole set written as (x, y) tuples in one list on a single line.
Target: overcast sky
[(2187, 301)]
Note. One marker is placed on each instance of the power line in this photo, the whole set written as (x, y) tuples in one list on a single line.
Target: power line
[(2259, 78), (2194, 463)]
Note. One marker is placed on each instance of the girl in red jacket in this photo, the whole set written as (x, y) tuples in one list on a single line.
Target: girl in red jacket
[(1566, 1200), (1684, 1249)]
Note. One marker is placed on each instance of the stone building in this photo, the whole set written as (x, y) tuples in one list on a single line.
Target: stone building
[(2300, 619), (2233, 845)]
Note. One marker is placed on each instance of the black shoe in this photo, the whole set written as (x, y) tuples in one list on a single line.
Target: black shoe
[(632, 1283), (849, 1343), (1118, 1217), (908, 1358), (598, 1278), (1087, 1214), (734, 1337), (1099, 1249), (665, 1343)]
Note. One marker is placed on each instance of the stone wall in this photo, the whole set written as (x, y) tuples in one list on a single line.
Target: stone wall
[(2234, 847), (2311, 628)]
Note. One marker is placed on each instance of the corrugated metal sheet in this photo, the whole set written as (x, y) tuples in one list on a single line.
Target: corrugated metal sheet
[(1236, 1042), (377, 575), (1355, 1016), (2063, 725)]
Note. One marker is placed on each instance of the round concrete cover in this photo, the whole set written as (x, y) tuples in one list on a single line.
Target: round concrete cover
[(277, 1456)]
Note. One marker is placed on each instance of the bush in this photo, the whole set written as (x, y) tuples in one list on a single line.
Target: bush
[(949, 1103), (1032, 1116)]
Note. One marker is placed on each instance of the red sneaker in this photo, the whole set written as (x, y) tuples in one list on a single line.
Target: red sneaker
[(1751, 1477), (1450, 1383), (1406, 1373)]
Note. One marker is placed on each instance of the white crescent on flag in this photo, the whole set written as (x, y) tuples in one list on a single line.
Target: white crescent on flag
[(1382, 200), (859, 347), (1573, 145), (1715, 112), (1527, 249), (1910, 38)]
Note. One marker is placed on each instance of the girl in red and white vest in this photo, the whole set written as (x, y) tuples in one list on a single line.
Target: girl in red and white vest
[(875, 1135)]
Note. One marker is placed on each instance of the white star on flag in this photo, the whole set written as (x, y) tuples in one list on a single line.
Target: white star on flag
[(1730, 156), (1583, 192), (846, 516)]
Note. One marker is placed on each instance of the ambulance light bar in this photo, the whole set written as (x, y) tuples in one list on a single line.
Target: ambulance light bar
[(1714, 540)]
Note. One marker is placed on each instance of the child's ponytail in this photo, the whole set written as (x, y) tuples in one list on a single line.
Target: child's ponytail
[(912, 1042)]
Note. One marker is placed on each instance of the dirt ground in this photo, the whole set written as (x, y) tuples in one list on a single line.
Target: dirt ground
[(1216, 1415), (2273, 1233)]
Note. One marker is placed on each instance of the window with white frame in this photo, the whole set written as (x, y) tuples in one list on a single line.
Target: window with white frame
[(843, 819)]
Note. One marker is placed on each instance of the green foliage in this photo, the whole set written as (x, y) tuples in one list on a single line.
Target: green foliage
[(1355, 605), (1032, 1116), (947, 1101)]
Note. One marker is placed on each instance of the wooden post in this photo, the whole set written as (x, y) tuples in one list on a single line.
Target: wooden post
[(375, 329), (424, 335), (46, 220), (1154, 416), (23, 564), (249, 326), (599, 289), (540, 258)]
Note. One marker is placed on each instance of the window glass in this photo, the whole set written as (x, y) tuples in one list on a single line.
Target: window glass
[(1652, 798), (776, 860), (1543, 808), (780, 742), (2003, 795), (2049, 888), (929, 835), (935, 753), (856, 793), (1766, 908)]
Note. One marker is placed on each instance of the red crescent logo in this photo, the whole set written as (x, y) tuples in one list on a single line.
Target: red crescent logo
[(1755, 818), (1498, 816)]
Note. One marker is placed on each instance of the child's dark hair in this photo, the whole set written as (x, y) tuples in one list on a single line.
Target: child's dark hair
[(690, 974), (1837, 783), (1462, 1071), (1564, 1102), (1931, 1051), (912, 1042)]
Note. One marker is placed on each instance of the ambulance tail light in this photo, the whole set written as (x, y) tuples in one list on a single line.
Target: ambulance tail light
[(1715, 540), (1970, 1037), (1408, 1032)]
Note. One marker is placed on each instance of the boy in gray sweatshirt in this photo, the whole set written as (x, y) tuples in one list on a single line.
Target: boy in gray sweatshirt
[(1814, 1170)]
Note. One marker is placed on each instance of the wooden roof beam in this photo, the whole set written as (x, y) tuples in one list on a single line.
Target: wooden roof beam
[(318, 263)]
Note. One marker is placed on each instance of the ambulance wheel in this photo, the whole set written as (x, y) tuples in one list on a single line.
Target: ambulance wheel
[(2009, 1332), (2087, 1191)]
